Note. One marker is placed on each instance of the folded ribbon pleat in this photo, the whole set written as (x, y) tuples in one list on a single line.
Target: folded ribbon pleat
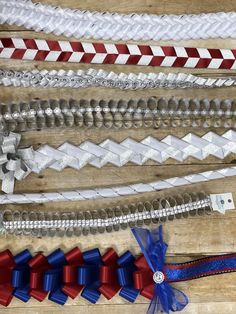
[(7, 263), (52, 281), (88, 275), (71, 287), (108, 275), (125, 276), (20, 276)]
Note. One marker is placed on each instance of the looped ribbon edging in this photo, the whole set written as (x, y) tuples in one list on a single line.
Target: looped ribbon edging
[(60, 275)]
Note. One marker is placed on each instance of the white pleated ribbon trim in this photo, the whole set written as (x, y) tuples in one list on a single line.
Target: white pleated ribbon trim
[(115, 26)]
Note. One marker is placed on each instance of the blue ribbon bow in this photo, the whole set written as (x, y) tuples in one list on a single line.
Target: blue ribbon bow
[(20, 276), (166, 298), (125, 276), (88, 275), (52, 281)]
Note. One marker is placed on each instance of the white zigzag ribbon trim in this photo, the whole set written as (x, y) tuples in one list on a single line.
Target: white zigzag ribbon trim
[(118, 154)]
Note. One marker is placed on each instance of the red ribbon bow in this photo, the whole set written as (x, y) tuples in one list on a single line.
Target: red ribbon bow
[(38, 264), (143, 278), (7, 263), (108, 276), (74, 259)]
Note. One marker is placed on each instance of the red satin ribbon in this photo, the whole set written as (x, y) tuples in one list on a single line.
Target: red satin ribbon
[(143, 278), (74, 259), (108, 277), (7, 263), (38, 265)]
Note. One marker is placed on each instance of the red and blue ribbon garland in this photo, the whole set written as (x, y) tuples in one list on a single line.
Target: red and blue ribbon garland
[(59, 276)]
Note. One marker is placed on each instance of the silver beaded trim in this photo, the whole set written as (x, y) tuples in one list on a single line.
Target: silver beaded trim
[(121, 217), (152, 112), (101, 78)]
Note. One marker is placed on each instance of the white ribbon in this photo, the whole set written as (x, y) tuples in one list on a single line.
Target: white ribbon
[(117, 191), (150, 148), (115, 26), (17, 163)]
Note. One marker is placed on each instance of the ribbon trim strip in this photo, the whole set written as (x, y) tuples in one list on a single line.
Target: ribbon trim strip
[(101, 78), (125, 54), (105, 220), (59, 276), (115, 26), (116, 191), (18, 163), (147, 113)]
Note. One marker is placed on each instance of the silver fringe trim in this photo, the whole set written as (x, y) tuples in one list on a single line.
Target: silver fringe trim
[(40, 224), (153, 112)]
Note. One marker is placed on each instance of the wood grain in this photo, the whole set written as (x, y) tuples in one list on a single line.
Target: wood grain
[(187, 238)]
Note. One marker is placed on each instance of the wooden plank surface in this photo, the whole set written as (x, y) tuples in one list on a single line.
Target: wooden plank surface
[(187, 238)]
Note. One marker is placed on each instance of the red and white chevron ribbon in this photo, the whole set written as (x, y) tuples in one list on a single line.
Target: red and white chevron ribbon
[(102, 53)]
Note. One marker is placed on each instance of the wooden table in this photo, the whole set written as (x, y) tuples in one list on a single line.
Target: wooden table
[(190, 238)]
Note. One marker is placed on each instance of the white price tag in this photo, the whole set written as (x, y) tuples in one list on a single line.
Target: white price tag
[(222, 202)]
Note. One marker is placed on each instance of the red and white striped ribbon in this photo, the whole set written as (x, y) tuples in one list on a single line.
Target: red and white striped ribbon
[(103, 53)]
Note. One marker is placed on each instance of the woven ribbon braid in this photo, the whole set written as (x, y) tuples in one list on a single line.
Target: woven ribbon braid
[(104, 25)]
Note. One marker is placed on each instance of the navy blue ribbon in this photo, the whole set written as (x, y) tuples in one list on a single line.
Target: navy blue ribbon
[(125, 276), (88, 275), (20, 276), (203, 267), (165, 298)]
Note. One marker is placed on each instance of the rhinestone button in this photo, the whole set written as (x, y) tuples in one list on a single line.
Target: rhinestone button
[(158, 277)]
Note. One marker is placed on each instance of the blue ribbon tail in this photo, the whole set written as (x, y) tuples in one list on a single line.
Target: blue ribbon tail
[(155, 306), (22, 294), (129, 293), (91, 293), (166, 299), (58, 297), (179, 300)]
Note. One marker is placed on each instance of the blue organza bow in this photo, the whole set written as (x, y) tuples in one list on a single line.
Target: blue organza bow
[(166, 298)]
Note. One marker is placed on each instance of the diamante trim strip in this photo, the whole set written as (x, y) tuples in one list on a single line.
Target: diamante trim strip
[(37, 223), (108, 53), (115, 26)]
